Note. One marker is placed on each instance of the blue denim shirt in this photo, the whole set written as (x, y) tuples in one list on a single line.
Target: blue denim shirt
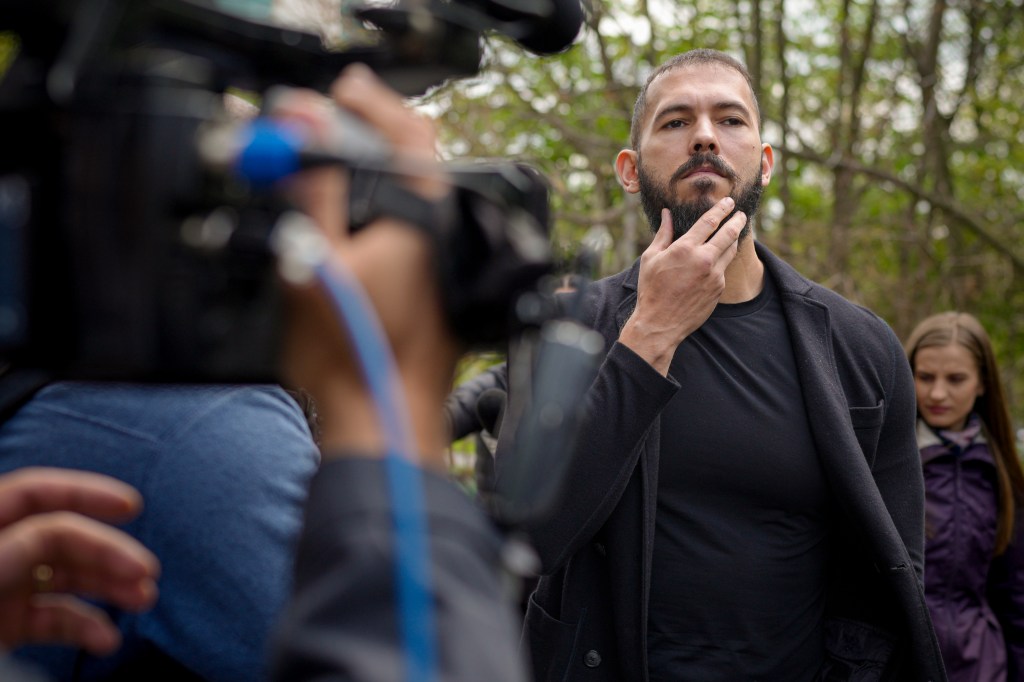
[(224, 472)]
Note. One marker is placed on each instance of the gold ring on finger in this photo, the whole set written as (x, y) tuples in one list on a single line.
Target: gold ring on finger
[(42, 578)]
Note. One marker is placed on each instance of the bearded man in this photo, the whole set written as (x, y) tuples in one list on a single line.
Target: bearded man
[(745, 499)]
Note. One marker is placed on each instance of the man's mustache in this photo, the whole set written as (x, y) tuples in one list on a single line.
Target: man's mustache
[(702, 160)]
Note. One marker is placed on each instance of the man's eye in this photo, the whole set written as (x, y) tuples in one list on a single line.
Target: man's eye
[(675, 123), (734, 121)]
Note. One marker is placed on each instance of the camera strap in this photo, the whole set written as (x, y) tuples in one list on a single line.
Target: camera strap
[(380, 195)]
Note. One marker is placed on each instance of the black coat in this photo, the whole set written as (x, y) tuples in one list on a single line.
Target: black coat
[(588, 618)]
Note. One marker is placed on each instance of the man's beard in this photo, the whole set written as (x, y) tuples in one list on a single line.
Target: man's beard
[(654, 197)]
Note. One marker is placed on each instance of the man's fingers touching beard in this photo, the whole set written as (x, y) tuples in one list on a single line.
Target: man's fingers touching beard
[(654, 197)]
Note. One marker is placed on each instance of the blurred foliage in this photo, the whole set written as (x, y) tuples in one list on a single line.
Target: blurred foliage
[(897, 124), (8, 50)]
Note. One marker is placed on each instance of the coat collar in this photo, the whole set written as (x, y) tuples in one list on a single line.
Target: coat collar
[(932, 447), (786, 278), (628, 302)]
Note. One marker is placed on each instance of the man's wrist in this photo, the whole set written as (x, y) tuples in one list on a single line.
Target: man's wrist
[(653, 347)]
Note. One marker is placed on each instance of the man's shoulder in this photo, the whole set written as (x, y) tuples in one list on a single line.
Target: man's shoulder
[(844, 314), (844, 311)]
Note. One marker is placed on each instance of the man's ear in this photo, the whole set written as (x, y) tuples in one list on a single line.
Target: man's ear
[(767, 163), (626, 170)]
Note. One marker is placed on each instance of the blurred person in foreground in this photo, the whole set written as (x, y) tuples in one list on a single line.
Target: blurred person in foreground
[(342, 619), (342, 622), (224, 472), (745, 499), (974, 487)]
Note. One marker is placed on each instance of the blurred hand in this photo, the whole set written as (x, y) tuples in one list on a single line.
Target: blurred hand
[(393, 262), (50, 552)]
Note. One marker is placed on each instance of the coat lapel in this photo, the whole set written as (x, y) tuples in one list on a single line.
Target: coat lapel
[(640, 506), (841, 457), (628, 302)]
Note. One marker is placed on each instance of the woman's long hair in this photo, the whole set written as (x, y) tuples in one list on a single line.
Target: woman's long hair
[(947, 328)]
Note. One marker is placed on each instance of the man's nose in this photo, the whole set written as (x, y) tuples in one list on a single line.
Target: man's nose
[(704, 138)]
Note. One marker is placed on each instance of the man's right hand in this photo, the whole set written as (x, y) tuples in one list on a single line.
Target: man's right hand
[(680, 283)]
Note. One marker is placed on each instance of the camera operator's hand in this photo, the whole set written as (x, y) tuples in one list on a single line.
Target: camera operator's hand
[(50, 551), (395, 265)]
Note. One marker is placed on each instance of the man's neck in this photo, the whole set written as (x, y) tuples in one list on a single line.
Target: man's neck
[(744, 278)]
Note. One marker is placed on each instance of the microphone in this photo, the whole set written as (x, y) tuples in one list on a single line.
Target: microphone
[(541, 26)]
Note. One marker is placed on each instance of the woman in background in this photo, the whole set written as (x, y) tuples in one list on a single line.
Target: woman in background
[(974, 554)]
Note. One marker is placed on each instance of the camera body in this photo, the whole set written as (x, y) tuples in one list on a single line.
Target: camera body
[(124, 255)]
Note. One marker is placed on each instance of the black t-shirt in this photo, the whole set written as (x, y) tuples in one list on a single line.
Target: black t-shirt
[(738, 578)]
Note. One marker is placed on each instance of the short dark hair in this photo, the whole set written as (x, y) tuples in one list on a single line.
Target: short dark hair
[(699, 56)]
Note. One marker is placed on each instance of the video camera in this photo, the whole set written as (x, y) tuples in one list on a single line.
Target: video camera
[(124, 254)]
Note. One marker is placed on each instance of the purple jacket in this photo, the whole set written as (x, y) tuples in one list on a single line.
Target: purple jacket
[(976, 601)]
